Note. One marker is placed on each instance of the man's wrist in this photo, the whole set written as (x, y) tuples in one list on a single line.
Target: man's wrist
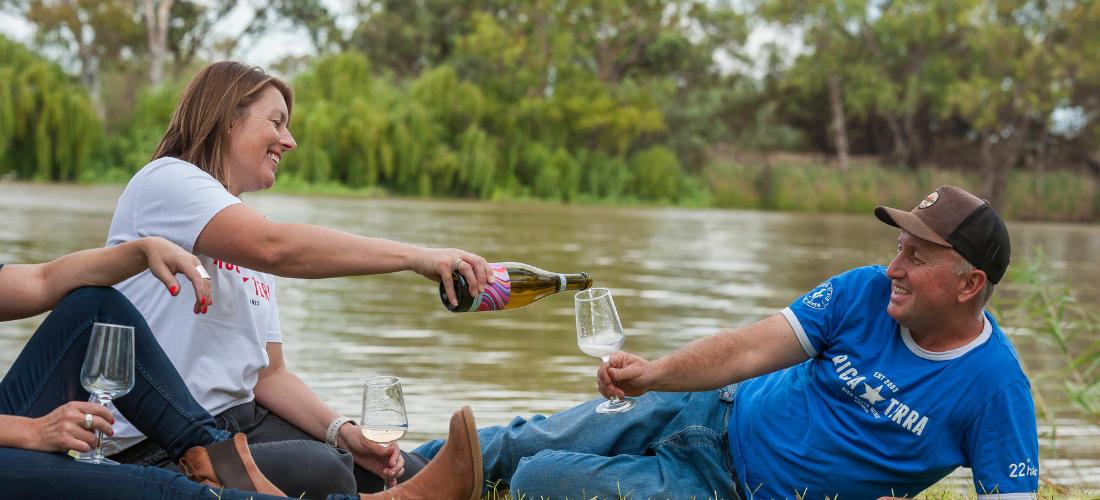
[(333, 433)]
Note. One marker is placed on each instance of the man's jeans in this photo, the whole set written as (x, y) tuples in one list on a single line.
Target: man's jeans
[(671, 445), (46, 375)]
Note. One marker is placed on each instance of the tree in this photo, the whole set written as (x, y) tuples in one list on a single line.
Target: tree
[(47, 122), (1013, 55), (95, 31), (156, 14), (830, 28)]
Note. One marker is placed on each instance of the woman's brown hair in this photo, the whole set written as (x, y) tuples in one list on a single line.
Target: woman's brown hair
[(212, 102)]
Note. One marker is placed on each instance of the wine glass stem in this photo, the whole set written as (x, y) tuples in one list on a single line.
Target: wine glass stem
[(99, 434), (614, 397)]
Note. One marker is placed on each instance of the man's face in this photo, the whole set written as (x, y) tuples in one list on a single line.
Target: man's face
[(925, 286)]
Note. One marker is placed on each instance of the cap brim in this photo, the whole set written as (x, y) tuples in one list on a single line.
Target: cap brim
[(910, 223)]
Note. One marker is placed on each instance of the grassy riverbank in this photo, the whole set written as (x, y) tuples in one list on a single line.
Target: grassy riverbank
[(1060, 196), (817, 188)]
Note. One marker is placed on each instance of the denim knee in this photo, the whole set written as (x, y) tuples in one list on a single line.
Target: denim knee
[(309, 469)]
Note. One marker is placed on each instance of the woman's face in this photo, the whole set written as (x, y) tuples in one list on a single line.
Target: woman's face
[(257, 143)]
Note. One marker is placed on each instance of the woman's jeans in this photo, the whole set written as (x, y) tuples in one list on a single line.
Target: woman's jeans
[(671, 445), (46, 375)]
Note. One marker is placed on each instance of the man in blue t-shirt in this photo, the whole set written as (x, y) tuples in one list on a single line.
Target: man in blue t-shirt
[(877, 383)]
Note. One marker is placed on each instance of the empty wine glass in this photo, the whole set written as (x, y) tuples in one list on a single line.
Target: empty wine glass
[(599, 334), (384, 420), (108, 372)]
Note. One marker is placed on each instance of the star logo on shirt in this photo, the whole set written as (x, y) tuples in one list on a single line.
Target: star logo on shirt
[(872, 394)]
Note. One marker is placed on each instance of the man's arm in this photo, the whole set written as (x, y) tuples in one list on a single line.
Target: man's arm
[(290, 398), (30, 289), (707, 363)]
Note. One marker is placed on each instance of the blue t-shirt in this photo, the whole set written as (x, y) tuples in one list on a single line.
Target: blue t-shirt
[(873, 414)]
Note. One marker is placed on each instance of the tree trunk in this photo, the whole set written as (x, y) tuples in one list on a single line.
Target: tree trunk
[(156, 26), (89, 76), (912, 139), (989, 167), (901, 149), (837, 106), (1041, 169)]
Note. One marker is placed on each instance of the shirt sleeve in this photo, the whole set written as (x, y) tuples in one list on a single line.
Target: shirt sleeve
[(274, 328), (173, 199), (1003, 446), (815, 316)]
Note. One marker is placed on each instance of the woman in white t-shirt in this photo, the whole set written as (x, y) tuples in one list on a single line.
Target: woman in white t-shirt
[(227, 136)]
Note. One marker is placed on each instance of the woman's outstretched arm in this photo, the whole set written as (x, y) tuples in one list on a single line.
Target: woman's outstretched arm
[(240, 235), (30, 289)]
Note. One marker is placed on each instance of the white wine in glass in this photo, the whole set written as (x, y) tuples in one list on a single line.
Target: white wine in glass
[(384, 420), (108, 373), (600, 334)]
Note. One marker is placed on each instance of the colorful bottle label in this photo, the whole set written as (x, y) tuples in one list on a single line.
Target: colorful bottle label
[(496, 295)]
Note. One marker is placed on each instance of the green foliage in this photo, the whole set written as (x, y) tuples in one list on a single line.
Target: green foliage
[(443, 135), (126, 151), (48, 126), (1047, 307)]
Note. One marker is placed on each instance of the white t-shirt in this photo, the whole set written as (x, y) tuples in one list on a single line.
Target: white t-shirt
[(221, 353)]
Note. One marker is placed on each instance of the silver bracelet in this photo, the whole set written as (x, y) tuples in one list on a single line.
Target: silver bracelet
[(334, 430)]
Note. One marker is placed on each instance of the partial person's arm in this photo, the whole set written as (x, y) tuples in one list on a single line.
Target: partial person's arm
[(240, 235), (707, 363), (30, 289), (287, 396), (60, 430)]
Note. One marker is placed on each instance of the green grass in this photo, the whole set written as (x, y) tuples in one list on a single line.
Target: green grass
[(947, 489)]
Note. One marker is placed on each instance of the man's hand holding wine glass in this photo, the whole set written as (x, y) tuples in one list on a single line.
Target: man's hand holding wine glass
[(625, 374), (386, 461)]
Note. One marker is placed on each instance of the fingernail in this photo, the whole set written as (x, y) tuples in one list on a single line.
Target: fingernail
[(203, 300), (204, 308), (112, 421), (173, 290)]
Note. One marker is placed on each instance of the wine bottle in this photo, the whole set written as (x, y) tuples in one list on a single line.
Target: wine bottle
[(517, 285)]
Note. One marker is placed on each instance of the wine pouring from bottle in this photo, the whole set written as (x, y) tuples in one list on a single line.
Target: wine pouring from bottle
[(517, 285)]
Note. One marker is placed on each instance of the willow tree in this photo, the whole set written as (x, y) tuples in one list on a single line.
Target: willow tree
[(48, 124)]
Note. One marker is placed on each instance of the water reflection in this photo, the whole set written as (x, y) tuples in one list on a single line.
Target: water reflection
[(677, 275)]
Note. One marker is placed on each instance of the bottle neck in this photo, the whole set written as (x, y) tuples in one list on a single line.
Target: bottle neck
[(577, 282)]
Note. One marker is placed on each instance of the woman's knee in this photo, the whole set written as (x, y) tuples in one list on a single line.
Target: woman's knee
[(100, 303)]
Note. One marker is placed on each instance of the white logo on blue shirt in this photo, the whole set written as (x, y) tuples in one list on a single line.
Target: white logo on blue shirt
[(820, 296)]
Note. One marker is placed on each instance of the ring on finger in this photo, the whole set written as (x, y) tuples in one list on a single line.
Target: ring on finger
[(457, 262), (88, 421), (202, 272)]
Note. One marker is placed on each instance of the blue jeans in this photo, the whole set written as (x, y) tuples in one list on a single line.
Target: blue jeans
[(46, 375), (671, 445)]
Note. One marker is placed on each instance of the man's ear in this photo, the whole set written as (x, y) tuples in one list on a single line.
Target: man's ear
[(972, 286)]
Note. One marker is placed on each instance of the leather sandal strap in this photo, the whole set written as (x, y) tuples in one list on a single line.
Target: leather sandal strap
[(229, 466)]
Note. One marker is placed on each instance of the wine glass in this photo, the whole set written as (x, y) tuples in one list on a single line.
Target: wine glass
[(108, 373), (599, 334), (384, 420)]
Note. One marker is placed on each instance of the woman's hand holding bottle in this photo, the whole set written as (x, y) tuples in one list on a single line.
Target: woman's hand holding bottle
[(435, 263)]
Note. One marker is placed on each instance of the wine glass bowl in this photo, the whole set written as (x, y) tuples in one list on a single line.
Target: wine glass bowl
[(384, 419), (108, 372), (600, 334)]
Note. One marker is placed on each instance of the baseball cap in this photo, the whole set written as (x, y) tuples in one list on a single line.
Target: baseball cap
[(955, 218)]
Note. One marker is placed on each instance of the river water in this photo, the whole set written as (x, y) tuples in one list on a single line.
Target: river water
[(675, 274)]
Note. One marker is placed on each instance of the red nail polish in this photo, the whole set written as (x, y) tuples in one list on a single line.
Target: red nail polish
[(173, 290), (204, 308), (203, 301)]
